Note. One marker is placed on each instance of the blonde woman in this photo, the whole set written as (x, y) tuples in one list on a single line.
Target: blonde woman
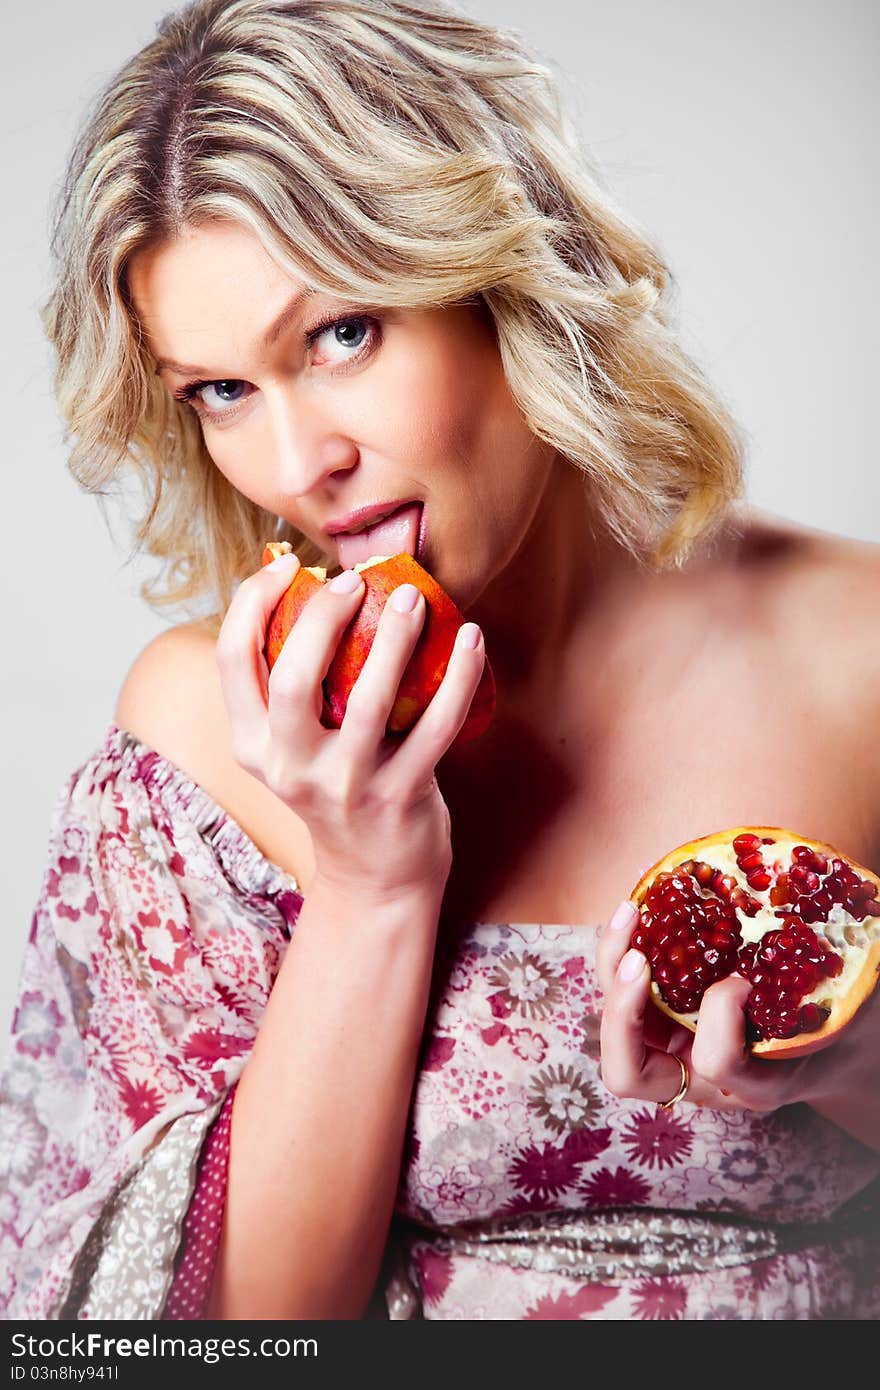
[(315, 1024)]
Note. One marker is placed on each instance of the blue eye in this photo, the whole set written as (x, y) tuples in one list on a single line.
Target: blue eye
[(221, 387), (191, 393), (336, 325)]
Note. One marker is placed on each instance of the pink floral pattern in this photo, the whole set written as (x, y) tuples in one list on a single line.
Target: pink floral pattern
[(152, 950), (155, 942), (546, 1137)]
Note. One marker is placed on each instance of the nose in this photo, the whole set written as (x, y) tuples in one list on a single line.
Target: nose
[(308, 444)]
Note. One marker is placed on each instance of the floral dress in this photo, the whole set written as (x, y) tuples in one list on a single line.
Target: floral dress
[(526, 1190)]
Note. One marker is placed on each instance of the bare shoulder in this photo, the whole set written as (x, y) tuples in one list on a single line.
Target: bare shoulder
[(823, 601), (831, 583), (169, 699), (809, 574), (172, 701)]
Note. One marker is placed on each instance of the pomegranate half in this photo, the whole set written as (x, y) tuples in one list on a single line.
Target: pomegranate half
[(795, 916)]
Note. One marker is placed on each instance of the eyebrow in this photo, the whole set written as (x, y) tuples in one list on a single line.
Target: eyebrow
[(272, 334)]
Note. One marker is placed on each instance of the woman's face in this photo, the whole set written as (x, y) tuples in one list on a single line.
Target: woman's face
[(381, 405)]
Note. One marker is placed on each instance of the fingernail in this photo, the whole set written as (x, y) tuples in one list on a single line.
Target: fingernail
[(283, 562), (746, 982), (404, 598), (346, 582), (624, 916), (631, 966), (469, 635)]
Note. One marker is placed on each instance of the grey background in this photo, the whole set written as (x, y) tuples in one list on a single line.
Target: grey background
[(739, 134)]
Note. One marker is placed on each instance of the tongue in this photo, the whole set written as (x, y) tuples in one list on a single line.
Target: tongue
[(395, 535)]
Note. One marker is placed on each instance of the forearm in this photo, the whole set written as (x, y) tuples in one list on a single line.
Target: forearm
[(857, 1112), (319, 1116), (843, 1083)]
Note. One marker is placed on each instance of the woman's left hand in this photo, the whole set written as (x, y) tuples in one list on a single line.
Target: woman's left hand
[(640, 1045)]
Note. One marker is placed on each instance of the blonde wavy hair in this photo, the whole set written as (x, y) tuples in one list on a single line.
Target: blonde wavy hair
[(399, 151)]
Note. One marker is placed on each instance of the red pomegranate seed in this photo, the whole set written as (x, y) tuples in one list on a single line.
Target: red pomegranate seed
[(746, 841), (759, 878), (723, 884), (767, 840), (809, 910), (811, 858), (755, 860), (807, 880), (744, 902), (779, 891), (811, 1017), (862, 910)]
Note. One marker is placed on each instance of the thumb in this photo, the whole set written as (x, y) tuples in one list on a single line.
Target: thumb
[(719, 1051)]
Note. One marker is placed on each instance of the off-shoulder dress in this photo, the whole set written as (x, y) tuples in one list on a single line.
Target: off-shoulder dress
[(527, 1191)]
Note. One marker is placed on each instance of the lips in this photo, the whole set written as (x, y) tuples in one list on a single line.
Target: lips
[(402, 532)]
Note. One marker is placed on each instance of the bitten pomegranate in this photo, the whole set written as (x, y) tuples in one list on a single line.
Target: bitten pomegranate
[(427, 663), (796, 917)]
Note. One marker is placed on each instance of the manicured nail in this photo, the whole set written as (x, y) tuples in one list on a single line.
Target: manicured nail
[(346, 582), (287, 561), (624, 917), (405, 598), (469, 635), (631, 966)]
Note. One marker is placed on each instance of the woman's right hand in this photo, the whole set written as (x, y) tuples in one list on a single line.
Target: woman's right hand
[(377, 819)]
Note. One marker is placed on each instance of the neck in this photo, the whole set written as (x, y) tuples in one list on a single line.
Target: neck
[(566, 577)]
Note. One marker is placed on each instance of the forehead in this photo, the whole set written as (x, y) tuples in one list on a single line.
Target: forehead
[(210, 285), (194, 261), (213, 301)]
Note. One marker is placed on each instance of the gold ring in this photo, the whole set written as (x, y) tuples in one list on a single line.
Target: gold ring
[(682, 1090)]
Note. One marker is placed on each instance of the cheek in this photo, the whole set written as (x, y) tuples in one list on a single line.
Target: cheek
[(226, 460), (447, 405), (234, 462)]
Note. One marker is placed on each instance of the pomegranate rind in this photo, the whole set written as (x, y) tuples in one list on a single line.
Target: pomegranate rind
[(843, 1007)]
